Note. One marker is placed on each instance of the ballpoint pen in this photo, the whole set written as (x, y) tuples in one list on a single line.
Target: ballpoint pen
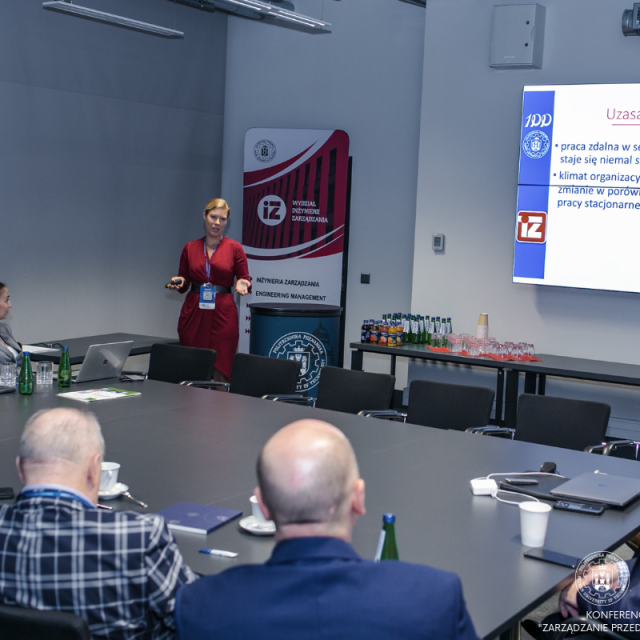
[(104, 506), (219, 552)]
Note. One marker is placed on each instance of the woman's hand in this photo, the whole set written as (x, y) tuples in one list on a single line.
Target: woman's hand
[(176, 283), (242, 286)]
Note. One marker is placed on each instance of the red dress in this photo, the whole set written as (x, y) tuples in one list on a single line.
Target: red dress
[(212, 328)]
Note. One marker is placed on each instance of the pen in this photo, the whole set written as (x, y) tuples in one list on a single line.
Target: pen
[(104, 506), (219, 552)]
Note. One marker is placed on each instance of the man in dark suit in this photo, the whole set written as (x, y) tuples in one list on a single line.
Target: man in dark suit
[(315, 585), (119, 570)]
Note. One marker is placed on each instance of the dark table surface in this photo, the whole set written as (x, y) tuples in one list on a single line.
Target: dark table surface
[(181, 443), (561, 366), (78, 347)]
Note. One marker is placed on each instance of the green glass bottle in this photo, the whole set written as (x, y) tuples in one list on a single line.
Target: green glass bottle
[(64, 369), (25, 382), (427, 329), (390, 547)]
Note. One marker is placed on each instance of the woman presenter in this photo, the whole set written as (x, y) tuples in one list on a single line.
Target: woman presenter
[(208, 267), (10, 350)]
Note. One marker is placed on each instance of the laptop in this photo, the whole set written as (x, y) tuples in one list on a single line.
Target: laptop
[(103, 361), (600, 487)]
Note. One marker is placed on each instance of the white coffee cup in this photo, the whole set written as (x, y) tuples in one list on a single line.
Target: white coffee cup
[(256, 511), (534, 517), (109, 475)]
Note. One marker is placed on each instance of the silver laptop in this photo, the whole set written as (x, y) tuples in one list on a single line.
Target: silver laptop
[(104, 361), (600, 487)]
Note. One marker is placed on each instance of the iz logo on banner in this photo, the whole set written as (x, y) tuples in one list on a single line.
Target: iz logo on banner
[(272, 210), (532, 226)]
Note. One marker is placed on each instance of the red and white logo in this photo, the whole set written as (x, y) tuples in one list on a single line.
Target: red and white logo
[(532, 226)]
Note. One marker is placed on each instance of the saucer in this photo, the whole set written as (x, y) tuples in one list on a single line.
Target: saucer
[(118, 489), (251, 525)]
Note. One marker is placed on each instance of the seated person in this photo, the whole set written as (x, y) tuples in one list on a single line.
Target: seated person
[(577, 600), (315, 585), (119, 570), (10, 350)]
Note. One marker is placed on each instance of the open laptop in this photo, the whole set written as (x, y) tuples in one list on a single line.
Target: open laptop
[(103, 361), (600, 487)]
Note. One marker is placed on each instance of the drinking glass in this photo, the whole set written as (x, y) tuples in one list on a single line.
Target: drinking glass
[(8, 374), (44, 372)]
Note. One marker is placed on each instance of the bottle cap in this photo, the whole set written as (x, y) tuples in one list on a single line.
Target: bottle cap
[(25, 354), (388, 518), (65, 348)]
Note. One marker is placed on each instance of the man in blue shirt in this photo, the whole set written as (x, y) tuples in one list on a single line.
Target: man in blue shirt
[(119, 570), (315, 585)]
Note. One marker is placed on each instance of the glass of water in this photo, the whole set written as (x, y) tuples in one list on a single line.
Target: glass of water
[(44, 372), (8, 374)]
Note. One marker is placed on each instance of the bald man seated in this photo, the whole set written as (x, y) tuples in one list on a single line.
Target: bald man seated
[(315, 585), (119, 570)]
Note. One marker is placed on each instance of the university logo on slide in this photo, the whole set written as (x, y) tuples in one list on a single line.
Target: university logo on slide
[(272, 210), (532, 226), (536, 144)]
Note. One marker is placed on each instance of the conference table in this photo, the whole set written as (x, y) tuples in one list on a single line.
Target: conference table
[(78, 347), (180, 443), (508, 371)]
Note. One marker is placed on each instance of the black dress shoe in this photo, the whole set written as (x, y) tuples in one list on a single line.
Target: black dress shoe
[(532, 628)]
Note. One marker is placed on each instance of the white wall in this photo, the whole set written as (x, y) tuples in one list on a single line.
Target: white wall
[(468, 171), (111, 144), (365, 78)]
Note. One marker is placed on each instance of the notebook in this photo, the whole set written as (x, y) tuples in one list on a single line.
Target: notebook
[(197, 518), (600, 487), (104, 361)]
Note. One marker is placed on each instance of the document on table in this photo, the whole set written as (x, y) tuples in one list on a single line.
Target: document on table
[(93, 395), (32, 348)]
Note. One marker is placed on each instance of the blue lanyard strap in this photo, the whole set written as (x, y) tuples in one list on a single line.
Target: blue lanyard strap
[(54, 493), (208, 260)]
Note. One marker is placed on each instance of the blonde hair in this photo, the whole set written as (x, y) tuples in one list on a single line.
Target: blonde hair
[(217, 203)]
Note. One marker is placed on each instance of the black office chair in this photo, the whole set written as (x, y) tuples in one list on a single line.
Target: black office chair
[(17, 623), (258, 376), (173, 363), (444, 406), (348, 391), (557, 422)]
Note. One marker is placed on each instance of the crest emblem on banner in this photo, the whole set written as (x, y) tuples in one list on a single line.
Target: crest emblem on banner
[(264, 150), (308, 350)]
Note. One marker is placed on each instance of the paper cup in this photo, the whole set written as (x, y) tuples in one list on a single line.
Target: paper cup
[(109, 475), (534, 517)]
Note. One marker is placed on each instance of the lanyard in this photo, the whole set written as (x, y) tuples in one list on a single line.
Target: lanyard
[(207, 259), (54, 493)]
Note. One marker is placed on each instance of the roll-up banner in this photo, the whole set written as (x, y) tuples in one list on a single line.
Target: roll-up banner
[(294, 217)]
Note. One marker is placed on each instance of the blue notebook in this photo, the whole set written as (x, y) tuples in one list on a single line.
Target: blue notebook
[(196, 518)]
